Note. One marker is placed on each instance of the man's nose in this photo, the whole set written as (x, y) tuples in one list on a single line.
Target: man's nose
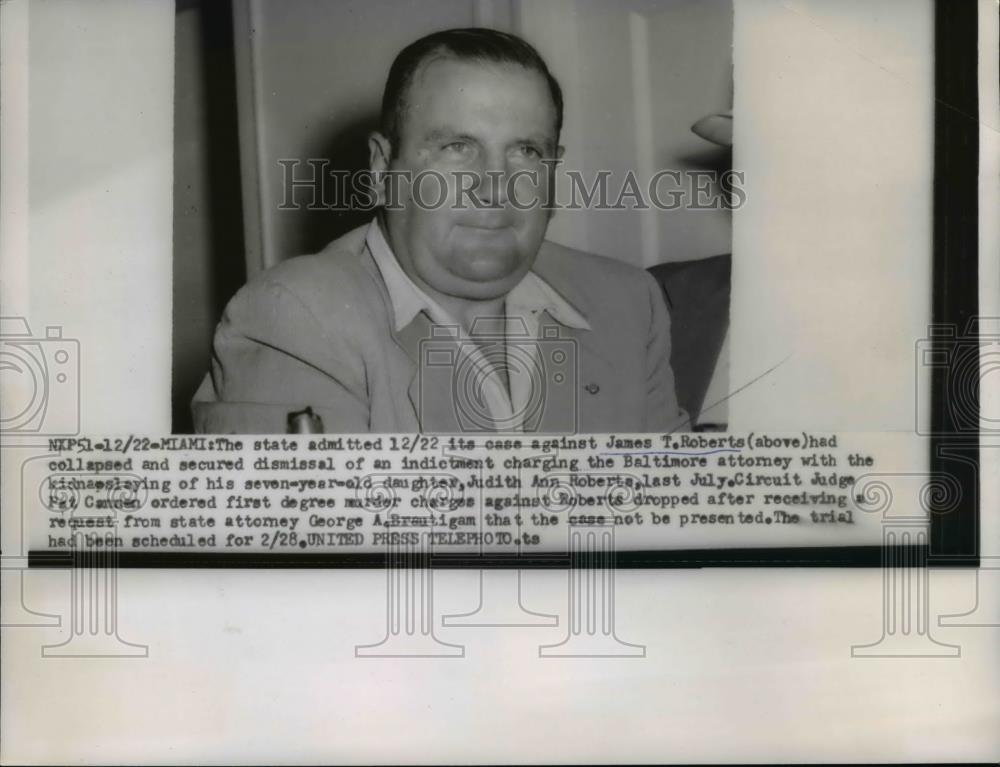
[(492, 187)]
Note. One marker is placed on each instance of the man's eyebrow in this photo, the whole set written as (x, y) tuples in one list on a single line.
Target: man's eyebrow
[(437, 134), (539, 139)]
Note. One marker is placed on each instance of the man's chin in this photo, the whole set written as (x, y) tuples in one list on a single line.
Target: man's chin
[(486, 264), (481, 243), (484, 285)]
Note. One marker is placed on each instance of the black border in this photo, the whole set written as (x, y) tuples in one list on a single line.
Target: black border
[(954, 532), (954, 535), (804, 556)]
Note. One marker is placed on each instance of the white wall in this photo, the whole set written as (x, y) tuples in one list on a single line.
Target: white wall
[(636, 75), (100, 156), (831, 274)]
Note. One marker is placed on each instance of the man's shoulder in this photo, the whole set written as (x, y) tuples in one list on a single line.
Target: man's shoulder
[(335, 277), (587, 277), (579, 262), (340, 263)]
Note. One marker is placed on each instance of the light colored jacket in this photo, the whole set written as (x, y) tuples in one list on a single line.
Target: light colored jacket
[(318, 331)]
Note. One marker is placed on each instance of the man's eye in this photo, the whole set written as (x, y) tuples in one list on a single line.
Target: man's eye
[(458, 147), (532, 151)]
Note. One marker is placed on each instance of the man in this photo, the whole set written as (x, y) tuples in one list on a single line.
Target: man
[(697, 294), (449, 312)]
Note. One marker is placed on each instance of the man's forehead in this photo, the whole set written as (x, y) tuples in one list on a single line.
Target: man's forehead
[(442, 77), (444, 63)]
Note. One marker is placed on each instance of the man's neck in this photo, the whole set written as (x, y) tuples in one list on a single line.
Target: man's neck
[(463, 310), (466, 312)]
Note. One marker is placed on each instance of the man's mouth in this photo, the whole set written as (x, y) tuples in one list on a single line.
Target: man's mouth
[(486, 225), (489, 220)]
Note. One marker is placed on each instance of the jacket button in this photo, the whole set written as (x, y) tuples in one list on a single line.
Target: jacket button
[(592, 388)]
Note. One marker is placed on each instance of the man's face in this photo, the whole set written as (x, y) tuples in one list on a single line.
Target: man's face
[(472, 132)]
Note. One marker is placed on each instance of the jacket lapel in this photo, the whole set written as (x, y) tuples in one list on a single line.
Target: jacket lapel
[(406, 366), (432, 364), (572, 388)]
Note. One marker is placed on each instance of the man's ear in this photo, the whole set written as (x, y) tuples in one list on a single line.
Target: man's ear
[(379, 152), (560, 151)]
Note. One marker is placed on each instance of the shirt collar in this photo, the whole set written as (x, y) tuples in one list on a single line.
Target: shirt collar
[(531, 295), (406, 298)]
